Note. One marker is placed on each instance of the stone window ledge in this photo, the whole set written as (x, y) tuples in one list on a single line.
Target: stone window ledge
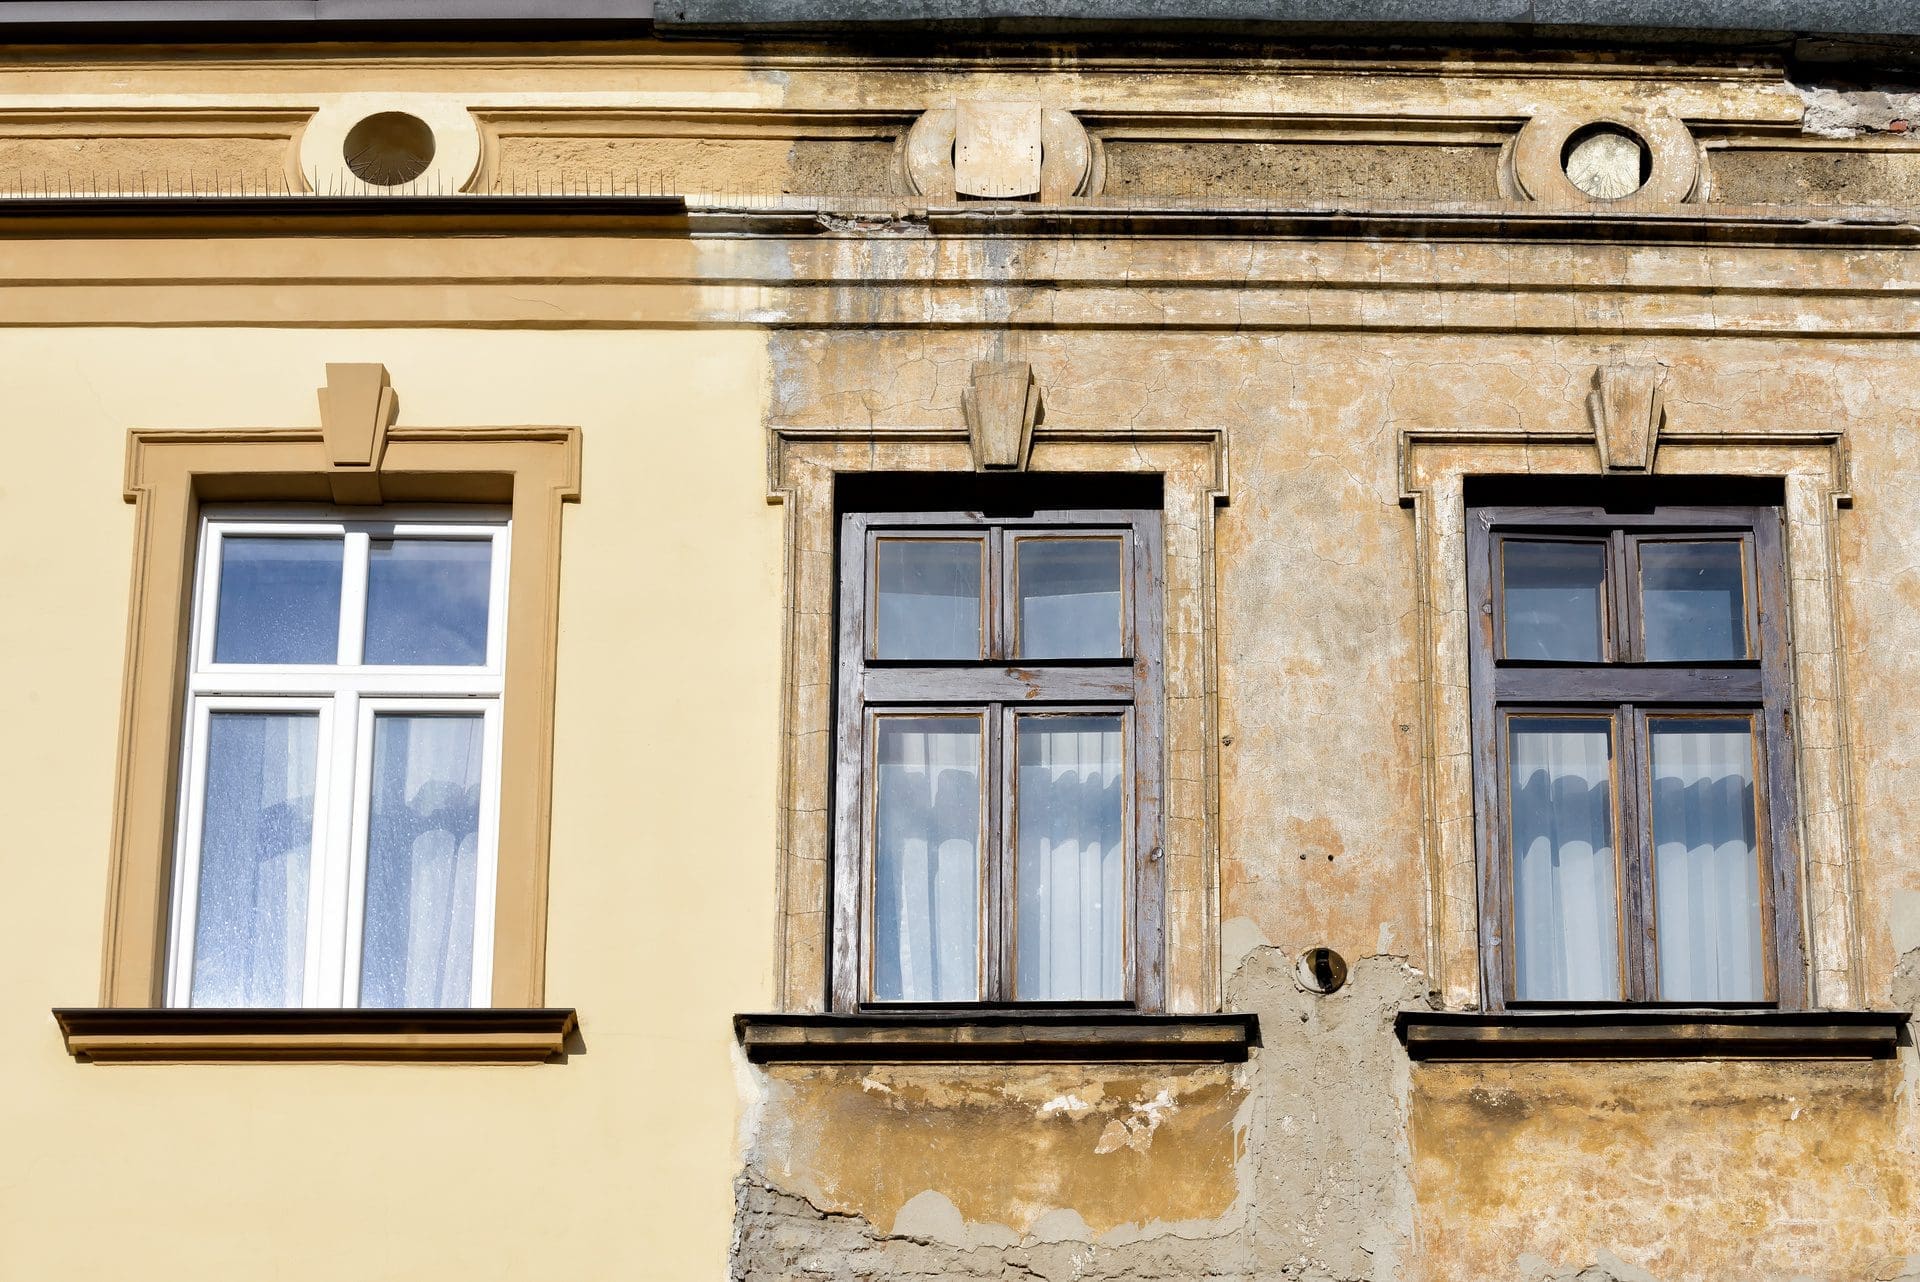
[(997, 1037), (1648, 1034), (132, 1035)]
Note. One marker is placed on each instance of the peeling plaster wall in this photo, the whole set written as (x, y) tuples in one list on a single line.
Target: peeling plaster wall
[(1343, 1164), (1294, 1166)]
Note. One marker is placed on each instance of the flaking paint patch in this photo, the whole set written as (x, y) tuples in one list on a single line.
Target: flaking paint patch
[(1009, 1145)]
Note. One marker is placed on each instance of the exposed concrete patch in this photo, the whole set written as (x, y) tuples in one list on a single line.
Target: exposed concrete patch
[(1240, 937), (1849, 113), (1903, 919), (1332, 1196)]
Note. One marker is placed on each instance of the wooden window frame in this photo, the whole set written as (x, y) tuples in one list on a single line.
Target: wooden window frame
[(1627, 690), (999, 688), (530, 472)]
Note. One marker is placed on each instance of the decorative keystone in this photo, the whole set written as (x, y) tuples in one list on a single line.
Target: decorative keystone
[(1001, 406), (1000, 151), (1628, 408), (357, 406)]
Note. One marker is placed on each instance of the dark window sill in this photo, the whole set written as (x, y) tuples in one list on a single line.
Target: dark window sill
[(126, 1035), (1650, 1034), (998, 1037)]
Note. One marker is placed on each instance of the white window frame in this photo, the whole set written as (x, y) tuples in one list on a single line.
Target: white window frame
[(346, 696)]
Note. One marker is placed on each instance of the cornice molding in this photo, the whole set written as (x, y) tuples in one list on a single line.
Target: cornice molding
[(1080, 218)]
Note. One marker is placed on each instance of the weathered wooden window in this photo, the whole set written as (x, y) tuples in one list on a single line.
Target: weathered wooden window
[(1632, 767), (997, 825)]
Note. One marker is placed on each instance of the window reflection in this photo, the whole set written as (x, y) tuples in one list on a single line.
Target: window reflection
[(427, 601), (1693, 600), (1553, 596), (927, 599), (279, 600), (1069, 598)]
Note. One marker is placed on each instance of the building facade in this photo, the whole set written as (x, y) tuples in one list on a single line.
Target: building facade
[(934, 640)]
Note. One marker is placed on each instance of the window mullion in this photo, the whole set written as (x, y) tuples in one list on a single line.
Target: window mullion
[(999, 605), (333, 844), (1623, 620), (997, 909), (1636, 857), (353, 598)]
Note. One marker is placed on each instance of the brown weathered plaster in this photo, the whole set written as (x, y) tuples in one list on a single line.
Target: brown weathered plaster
[(1696, 1172), (1008, 1145), (1758, 176)]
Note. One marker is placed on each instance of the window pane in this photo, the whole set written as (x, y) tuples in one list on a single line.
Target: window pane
[(1553, 597), (1071, 867), (423, 858), (1566, 944), (1693, 601), (279, 601), (427, 600), (928, 599), (1706, 861), (256, 842), (926, 860), (1069, 598)]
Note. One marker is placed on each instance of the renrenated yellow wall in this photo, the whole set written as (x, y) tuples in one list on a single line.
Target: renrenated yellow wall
[(615, 1164)]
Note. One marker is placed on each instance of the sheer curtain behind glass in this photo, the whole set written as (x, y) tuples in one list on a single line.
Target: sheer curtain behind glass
[(423, 860), (926, 861), (256, 842), (1706, 861), (1071, 870), (1566, 943)]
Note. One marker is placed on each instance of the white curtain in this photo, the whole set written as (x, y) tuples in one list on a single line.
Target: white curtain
[(256, 844), (423, 846), (1565, 909), (1071, 869), (1706, 862), (926, 892)]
